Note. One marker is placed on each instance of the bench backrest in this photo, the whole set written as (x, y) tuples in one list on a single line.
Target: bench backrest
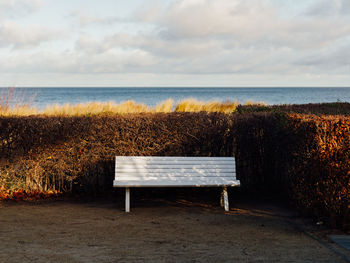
[(139, 171)]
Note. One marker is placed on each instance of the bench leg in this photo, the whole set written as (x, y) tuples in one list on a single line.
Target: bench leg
[(224, 199), (127, 199)]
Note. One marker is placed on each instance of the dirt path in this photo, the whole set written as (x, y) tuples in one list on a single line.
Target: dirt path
[(155, 231)]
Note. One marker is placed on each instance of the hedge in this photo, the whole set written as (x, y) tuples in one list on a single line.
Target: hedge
[(303, 157), (332, 108), (77, 153)]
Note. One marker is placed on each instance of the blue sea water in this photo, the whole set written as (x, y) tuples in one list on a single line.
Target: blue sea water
[(151, 96)]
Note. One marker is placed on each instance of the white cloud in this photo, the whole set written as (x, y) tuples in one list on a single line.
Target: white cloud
[(77, 62), (329, 8), (88, 44), (194, 37), (21, 35), (18, 36), (205, 18), (331, 61), (83, 19), (17, 8), (246, 23)]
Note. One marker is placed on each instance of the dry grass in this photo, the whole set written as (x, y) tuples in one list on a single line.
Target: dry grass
[(81, 109), (165, 106), (15, 102), (94, 108), (18, 111), (10, 98), (192, 105), (254, 103)]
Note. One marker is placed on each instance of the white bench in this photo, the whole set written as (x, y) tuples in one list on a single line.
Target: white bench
[(140, 171)]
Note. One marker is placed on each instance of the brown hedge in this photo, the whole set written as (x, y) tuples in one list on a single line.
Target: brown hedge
[(261, 150), (332, 108), (304, 157), (77, 153), (320, 166)]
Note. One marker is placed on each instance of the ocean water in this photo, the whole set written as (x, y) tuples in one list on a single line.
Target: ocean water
[(41, 97)]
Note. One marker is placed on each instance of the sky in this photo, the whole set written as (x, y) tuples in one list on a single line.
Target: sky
[(235, 43)]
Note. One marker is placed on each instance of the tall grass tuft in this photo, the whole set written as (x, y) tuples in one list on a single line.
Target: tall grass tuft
[(16, 102), (254, 103), (5, 98), (165, 106), (192, 105)]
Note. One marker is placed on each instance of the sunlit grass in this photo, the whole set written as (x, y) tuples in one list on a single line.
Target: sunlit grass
[(95, 108), (18, 111), (254, 103), (16, 102), (165, 106), (192, 105)]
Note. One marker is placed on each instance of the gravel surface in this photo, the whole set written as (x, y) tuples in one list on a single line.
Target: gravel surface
[(159, 230)]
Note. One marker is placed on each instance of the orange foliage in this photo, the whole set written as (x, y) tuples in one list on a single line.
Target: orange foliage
[(22, 195), (320, 174)]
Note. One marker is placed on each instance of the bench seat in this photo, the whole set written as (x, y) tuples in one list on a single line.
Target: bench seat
[(152, 171)]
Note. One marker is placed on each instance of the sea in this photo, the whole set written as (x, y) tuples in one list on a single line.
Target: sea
[(42, 97)]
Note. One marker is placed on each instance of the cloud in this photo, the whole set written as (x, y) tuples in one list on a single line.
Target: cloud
[(331, 61), (204, 18), (159, 46), (77, 62), (136, 53), (18, 36), (323, 8), (194, 37), (87, 43), (226, 36), (245, 23), (17, 8), (83, 19)]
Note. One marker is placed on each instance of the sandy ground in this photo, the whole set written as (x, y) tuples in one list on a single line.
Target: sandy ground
[(160, 230)]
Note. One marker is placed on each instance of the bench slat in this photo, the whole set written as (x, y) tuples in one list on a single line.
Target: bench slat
[(119, 162), (197, 159), (175, 171), (215, 181), (173, 166), (175, 176), (161, 158)]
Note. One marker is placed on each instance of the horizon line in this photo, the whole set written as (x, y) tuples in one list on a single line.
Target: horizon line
[(218, 87)]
